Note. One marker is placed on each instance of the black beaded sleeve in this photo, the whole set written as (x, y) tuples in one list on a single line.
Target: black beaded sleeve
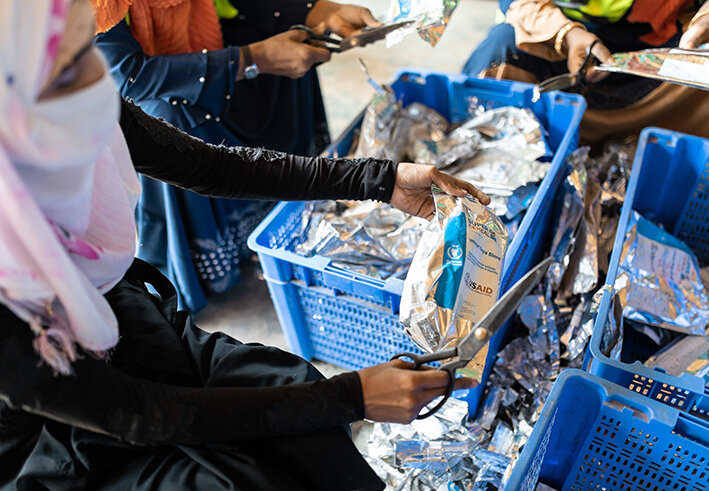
[(163, 152)]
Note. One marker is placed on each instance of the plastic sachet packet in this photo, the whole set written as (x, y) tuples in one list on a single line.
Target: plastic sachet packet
[(688, 67), (431, 16), (454, 277), (658, 280)]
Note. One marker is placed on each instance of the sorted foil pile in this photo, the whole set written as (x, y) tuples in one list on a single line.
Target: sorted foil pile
[(367, 237), (431, 18), (592, 198), (501, 151)]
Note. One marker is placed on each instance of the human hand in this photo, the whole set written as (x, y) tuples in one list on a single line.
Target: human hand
[(697, 32), (286, 54), (394, 393), (577, 42), (412, 189), (343, 20)]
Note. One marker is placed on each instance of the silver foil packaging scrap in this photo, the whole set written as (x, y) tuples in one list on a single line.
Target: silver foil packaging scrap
[(367, 237), (571, 213), (503, 439), (658, 280), (430, 19), (378, 126)]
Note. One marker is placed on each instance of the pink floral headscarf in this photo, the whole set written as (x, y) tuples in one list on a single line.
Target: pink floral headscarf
[(67, 191)]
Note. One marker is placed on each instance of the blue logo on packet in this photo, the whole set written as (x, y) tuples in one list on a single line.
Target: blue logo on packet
[(453, 252)]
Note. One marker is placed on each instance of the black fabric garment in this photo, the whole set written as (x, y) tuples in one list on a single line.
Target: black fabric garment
[(274, 111), (173, 408), (161, 151)]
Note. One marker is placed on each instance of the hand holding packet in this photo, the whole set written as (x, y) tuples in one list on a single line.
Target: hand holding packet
[(455, 275)]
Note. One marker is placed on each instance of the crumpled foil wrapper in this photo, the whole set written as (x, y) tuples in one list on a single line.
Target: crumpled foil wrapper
[(594, 195), (455, 275), (379, 135), (574, 190), (431, 19), (497, 150), (658, 280), (366, 237), (506, 166), (512, 128)]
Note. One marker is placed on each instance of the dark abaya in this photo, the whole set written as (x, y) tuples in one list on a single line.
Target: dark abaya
[(173, 407)]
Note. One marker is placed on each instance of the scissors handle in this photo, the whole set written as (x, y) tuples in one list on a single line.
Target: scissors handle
[(450, 368), (420, 360), (326, 41)]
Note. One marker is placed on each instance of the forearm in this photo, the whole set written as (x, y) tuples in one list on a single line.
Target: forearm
[(101, 398), (163, 152)]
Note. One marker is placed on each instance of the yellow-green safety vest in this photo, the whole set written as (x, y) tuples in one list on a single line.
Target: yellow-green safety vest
[(609, 10)]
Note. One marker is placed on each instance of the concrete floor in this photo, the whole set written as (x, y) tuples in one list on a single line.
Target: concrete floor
[(246, 311)]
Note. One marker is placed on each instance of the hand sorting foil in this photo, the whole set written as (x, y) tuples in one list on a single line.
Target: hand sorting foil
[(454, 277)]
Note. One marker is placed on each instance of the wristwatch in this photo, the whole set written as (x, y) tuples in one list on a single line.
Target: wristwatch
[(251, 70)]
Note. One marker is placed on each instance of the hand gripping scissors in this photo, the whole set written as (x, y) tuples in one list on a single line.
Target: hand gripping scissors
[(366, 36), (483, 330), (570, 80)]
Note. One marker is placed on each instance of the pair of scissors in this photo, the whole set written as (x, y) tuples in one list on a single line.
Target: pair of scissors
[(567, 81), (483, 330), (366, 36)]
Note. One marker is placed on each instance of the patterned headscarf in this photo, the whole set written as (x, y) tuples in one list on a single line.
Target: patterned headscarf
[(67, 191)]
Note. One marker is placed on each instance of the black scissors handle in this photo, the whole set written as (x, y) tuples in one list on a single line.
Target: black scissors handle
[(450, 368), (332, 44)]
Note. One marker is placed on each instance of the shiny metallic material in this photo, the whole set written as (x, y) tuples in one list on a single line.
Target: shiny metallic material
[(571, 213), (367, 237), (455, 275), (481, 334), (430, 18), (658, 280)]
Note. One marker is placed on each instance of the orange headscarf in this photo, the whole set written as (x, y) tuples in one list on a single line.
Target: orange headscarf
[(164, 27)]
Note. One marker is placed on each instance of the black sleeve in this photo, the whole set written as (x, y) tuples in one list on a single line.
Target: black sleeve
[(101, 398), (163, 152)]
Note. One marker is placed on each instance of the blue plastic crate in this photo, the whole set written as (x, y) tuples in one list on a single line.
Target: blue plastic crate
[(615, 440), (670, 186), (352, 320)]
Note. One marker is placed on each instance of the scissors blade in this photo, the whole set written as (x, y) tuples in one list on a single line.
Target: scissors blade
[(501, 311), (369, 35), (560, 82)]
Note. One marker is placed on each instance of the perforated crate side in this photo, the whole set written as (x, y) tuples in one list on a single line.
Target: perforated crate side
[(349, 333), (615, 440), (625, 453), (670, 186)]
